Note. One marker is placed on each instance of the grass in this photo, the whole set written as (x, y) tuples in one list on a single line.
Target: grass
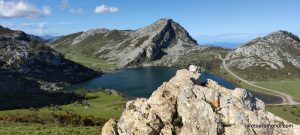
[(289, 113), (15, 128), (98, 105), (91, 62), (224, 74), (205, 59), (85, 52), (290, 87)]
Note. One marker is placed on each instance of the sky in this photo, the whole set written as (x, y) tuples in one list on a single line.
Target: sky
[(208, 21)]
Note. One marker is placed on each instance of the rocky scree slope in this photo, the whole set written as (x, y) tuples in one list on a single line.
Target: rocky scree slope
[(275, 55), (27, 65), (129, 47), (181, 106)]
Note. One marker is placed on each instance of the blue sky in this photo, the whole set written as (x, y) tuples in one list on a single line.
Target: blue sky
[(208, 21)]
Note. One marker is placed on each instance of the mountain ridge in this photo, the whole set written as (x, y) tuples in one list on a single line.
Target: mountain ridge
[(126, 48), (26, 64), (277, 52)]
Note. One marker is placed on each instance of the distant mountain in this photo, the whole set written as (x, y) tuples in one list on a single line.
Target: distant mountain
[(125, 48), (229, 45), (27, 65), (49, 38), (273, 56)]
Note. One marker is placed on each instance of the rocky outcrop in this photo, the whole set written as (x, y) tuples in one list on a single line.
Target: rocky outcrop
[(277, 52), (182, 106), (24, 58)]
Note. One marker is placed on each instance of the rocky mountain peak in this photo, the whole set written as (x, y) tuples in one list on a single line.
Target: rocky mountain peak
[(277, 51), (163, 20), (182, 106), (132, 47), (1, 27), (168, 28), (281, 37)]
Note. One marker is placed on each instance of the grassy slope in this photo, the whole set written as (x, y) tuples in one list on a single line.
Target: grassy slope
[(11, 128), (91, 62), (101, 106), (290, 87), (290, 113), (205, 59), (86, 53)]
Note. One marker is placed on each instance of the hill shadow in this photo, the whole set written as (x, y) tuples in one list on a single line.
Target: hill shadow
[(17, 91)]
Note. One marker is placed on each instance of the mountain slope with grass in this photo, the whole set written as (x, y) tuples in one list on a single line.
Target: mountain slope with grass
[(276, 55), (28, 65), (126, 48)]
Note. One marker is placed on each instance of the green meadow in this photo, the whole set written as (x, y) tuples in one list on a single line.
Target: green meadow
[(80, 117)]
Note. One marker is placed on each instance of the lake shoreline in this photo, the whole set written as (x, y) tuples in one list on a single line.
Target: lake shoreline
[(132, 76)]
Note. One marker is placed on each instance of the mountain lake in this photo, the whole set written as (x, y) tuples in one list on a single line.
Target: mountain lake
[(141, 82)]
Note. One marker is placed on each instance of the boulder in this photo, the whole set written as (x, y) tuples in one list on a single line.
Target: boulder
[(183, 107)]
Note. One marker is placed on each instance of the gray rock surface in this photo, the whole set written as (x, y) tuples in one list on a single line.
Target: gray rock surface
[(26, 64), (183, 107), (127, 48), (278, 51)]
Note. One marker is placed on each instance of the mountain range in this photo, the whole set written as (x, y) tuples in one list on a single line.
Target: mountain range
[(163, 43)]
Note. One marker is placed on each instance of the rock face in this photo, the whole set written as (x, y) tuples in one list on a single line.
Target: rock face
[(278, 52), (181, 106), (130, 47), (27, 65)]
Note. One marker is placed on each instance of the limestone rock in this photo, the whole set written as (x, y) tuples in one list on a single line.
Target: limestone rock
[(110, 128), (183, 107), (276, 55), (26, 64), (126, 48), (194, 68)]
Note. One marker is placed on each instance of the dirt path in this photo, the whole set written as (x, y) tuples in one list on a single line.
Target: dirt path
[(287, 99)]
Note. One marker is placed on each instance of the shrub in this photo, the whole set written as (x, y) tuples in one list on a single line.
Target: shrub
[(82, 92), (64, 118)]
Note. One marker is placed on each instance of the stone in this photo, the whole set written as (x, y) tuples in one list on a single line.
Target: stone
[(183, 107), (194, 68), (110, 128)]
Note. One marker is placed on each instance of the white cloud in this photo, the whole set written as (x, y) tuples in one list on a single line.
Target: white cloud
[(16, 9), (64, 4), (104, 9)]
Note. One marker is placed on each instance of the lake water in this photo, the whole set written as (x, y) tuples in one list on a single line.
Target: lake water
[(141, 82)]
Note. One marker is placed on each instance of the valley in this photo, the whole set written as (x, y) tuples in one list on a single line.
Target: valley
[(60, 80)]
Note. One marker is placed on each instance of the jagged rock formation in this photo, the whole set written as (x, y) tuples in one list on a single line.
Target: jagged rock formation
[(181, 106), (275, 55), (130, 47), (27, 65)]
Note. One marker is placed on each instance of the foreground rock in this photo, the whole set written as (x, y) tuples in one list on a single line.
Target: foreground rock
[(181, 106)]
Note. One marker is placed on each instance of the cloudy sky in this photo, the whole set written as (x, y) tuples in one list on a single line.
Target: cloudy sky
[(209, 21)]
